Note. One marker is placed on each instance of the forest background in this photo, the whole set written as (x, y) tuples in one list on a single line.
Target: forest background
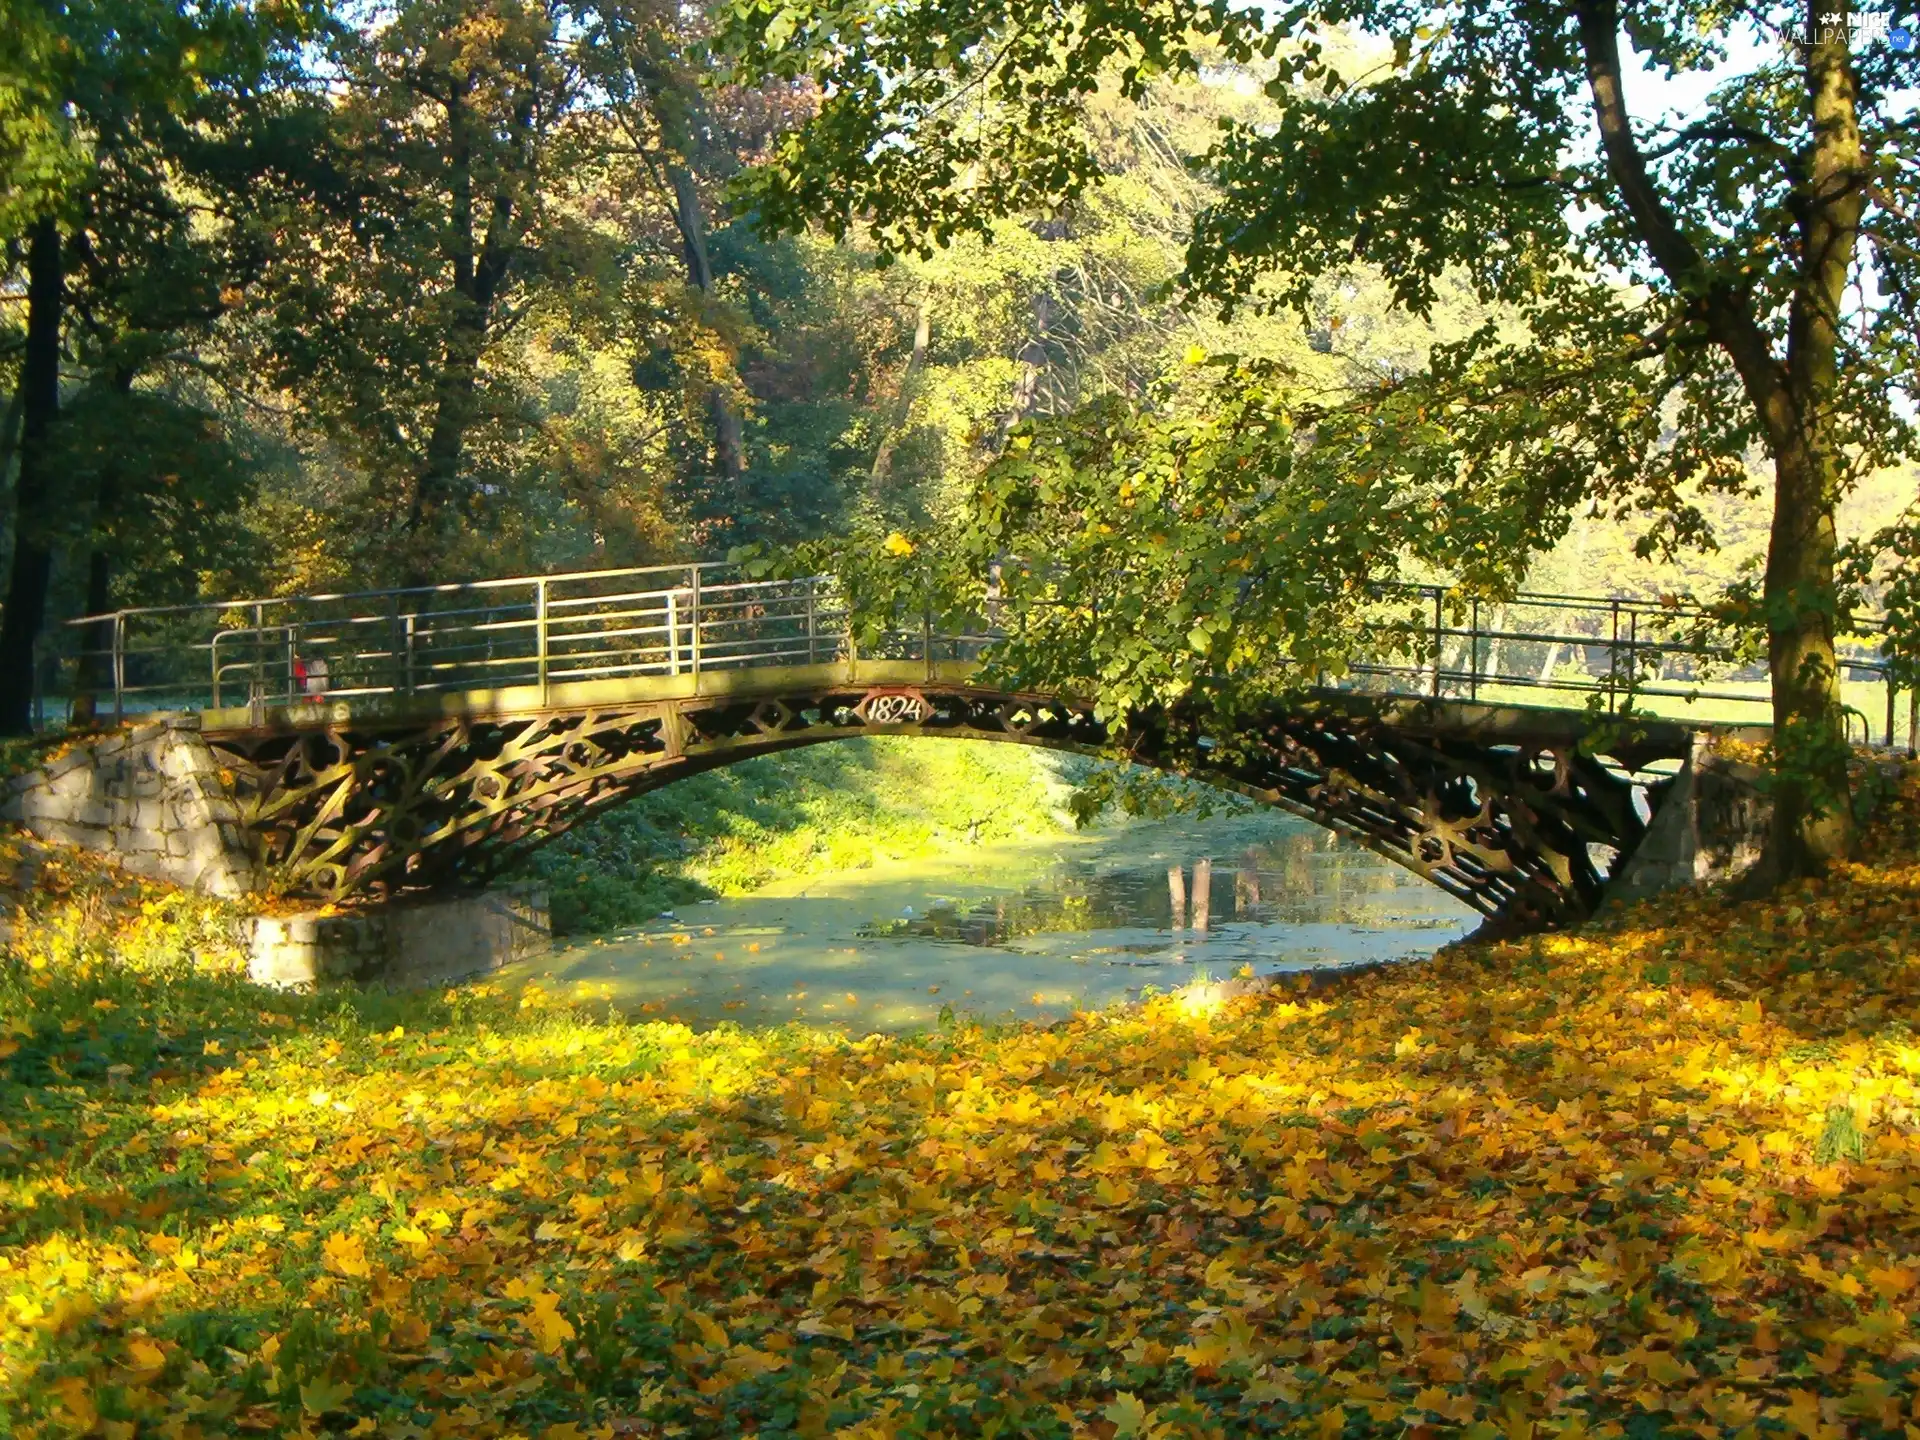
[(339, 296)]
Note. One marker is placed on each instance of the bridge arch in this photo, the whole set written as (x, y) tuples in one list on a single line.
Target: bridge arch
[(1497, 805)]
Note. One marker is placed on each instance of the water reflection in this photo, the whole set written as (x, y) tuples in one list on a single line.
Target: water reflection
[(1021, 930), (1307, 876)]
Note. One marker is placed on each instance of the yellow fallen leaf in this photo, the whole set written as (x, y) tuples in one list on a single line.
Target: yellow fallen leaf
[(346, 1255)]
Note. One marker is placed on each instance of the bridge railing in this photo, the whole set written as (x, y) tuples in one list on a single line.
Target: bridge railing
[(486, 635), (1607, 651), (687, 620)]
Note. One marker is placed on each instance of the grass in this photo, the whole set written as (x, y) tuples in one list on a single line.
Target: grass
[(842, 806), (1656, 1178), (1867, 702), (21, 753)]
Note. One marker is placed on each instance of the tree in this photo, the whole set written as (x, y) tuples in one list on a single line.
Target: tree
[(646, 62), (81, 86), (415, 243), (1674, 292)]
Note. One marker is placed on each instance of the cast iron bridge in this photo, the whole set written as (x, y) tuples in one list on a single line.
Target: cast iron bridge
[(403, 740)]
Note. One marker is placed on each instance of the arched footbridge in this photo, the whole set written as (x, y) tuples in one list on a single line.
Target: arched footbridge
[(412, 739)]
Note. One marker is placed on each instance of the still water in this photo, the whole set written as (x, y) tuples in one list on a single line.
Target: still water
[(1019, 930)]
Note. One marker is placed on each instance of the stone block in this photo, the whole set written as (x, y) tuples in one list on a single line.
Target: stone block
[(92, 812), (282, 965), (74, 784), (45, 805), (414, 944), (206, 788), (67, 832), (83, 757), (150, 798)]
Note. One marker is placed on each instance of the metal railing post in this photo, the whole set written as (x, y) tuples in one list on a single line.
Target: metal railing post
[(1613, 661), (1473, 652), (119, 667), (926, 637), (812, 588), (1436, 642), (673, 632), (694, 626), (413, 619), (540, 631), (396, 651), (258, 698)]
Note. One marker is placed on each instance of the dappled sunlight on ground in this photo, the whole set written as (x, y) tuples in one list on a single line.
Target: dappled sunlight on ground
[(1660, 1177)]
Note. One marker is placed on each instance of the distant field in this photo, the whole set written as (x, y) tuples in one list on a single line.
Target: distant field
[(1734, 702)]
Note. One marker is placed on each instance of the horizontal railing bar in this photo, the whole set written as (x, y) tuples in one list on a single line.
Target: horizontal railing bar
[(450, 588)]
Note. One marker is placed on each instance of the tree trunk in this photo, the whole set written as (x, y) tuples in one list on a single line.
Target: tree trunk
[(1794, 401), (480, 264), (96, 660), (10, 434), (33, 492), (922, 337), (729, 438), (1812, 821), (1812, 811), (437, 491)]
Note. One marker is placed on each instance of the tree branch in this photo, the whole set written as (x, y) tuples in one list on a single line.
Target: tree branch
[(1728, 311), (1756, 138)]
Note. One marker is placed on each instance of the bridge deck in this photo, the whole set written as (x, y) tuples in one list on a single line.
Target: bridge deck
[(1486, 722)]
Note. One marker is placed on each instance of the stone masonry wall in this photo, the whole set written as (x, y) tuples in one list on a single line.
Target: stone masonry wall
[(151, 798), (420, 943), (1711, 826)]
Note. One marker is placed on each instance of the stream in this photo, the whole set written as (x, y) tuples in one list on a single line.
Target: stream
[(1019, 930)]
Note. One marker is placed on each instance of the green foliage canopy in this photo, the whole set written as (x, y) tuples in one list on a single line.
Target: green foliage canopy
[(1674, 292)]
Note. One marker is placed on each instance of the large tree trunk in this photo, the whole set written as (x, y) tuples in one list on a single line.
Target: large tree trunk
[(1812, 813), (480, 260), (34, 491), (903, 404), (436, 486), (96, 660), (1794, 401), (729, 437), (438, 493)]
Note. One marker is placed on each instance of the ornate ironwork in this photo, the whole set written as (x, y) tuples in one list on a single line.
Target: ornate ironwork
[(405, 739), (1497, 806)]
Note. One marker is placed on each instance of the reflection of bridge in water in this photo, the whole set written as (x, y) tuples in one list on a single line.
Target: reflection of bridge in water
[(459, 725)]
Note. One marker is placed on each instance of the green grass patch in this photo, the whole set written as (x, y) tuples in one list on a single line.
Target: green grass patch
[(847, 805)]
